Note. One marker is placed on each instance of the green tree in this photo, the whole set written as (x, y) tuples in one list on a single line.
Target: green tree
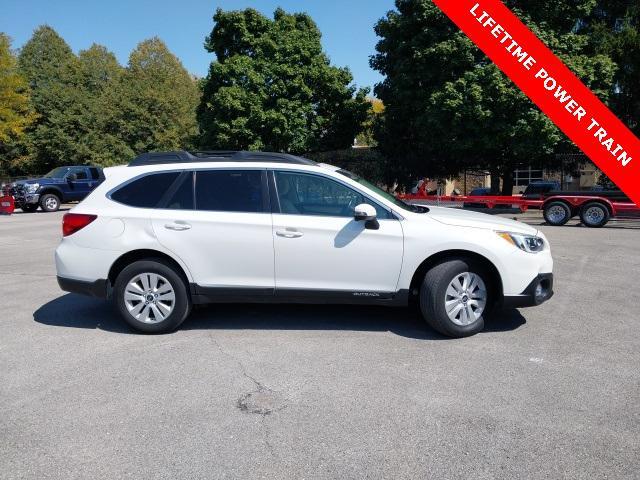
[(447, 107), (16, 111), (153, 105), (72, 96), (614, 30), (49, 65), (98, 76), (366, 137), (272, 87)]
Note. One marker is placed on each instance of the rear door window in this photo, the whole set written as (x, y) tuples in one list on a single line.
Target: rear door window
[(80, 173), (146, 191), (230, 191)]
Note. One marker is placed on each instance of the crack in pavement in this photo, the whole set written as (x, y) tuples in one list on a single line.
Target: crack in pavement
[(258, 385), (262, 401)]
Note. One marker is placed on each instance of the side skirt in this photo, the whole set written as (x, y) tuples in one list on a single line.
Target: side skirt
[(203, 295)]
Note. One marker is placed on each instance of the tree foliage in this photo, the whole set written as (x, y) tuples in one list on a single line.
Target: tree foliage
[(154, 103), (91, 110), (447, 107), (16, 112), (374, 113), (50, 67), (271, 87), (614, 30), (98, 75)]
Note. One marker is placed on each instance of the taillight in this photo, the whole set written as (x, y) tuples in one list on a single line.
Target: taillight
[(72, 222)]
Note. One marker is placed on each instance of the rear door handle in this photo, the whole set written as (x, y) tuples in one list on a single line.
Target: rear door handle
[(177, 226), (289, 233)]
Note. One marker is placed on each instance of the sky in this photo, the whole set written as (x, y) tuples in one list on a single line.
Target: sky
[(119, 25)]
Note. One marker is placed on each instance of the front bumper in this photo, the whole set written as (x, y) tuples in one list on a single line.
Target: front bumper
[(99, 288), (28, 199), (538, 291)]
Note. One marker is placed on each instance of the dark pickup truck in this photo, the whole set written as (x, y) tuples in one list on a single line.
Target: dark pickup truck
[(60, 185)]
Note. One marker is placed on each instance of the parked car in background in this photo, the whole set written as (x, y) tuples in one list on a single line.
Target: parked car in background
[(175, 229), (539, 188), (60, 185), (480, 192), (477, 192)]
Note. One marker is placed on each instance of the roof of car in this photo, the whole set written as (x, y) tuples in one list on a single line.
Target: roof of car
[(181, 156)]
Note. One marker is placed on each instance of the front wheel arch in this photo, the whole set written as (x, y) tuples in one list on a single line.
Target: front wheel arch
[(436, 258), (52, 191)]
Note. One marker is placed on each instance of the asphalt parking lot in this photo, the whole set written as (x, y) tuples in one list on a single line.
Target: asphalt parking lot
[(267, 391)]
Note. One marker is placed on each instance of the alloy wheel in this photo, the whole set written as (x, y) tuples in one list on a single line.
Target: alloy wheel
[(465, 298), (149, 298), (51, 203)]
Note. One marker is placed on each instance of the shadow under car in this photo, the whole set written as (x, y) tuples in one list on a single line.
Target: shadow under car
[(77, 311)]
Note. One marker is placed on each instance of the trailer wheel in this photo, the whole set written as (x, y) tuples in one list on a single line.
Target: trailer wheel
[(594, 215), (557, 213)]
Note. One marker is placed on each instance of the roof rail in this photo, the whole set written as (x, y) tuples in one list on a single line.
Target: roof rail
[(158, 158)]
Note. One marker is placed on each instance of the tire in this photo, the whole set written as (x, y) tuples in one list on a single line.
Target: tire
[(29, 207), (557, 213), (435, 292), (50, 202), (594, 215), (158, 316)]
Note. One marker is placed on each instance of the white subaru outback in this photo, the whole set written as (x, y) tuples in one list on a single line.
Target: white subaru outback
[(175, 229)]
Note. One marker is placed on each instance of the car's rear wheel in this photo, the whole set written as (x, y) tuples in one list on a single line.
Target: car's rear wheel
[(29, 207), (594, 214), (455, 297), (152, 296), (557, 213), (49, 202)]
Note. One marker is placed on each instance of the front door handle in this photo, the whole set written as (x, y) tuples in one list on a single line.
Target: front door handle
[(289, 233), (177, 226)]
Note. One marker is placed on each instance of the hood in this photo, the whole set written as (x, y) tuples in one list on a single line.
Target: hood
[(466, 218), (41, 181)]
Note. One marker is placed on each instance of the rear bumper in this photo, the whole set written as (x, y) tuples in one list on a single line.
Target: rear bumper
[(100, 288), (538, 291)]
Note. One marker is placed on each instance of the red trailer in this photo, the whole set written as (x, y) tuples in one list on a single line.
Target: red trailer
[(594, 208)]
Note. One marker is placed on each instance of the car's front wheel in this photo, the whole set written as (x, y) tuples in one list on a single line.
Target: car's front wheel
[(49, 202), (152, 296), (455, 297)]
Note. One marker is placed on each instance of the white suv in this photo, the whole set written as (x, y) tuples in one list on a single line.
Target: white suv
[(175, 229)]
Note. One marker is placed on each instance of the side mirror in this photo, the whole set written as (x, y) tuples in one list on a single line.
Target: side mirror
[(364, 212), (72, 177)]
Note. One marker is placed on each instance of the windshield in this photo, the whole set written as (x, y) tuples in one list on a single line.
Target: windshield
[(57, 172), (396, 201)]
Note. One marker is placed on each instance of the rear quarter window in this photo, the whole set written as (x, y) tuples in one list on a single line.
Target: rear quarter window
[(146, 191)]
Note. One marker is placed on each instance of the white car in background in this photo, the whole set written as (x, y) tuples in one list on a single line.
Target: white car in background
[(175, 229)]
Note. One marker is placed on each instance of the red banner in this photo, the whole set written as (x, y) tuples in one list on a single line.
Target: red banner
[(551, 86)]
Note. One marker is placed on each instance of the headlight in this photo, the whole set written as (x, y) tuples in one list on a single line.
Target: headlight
[(32, 187), (528, 243)]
